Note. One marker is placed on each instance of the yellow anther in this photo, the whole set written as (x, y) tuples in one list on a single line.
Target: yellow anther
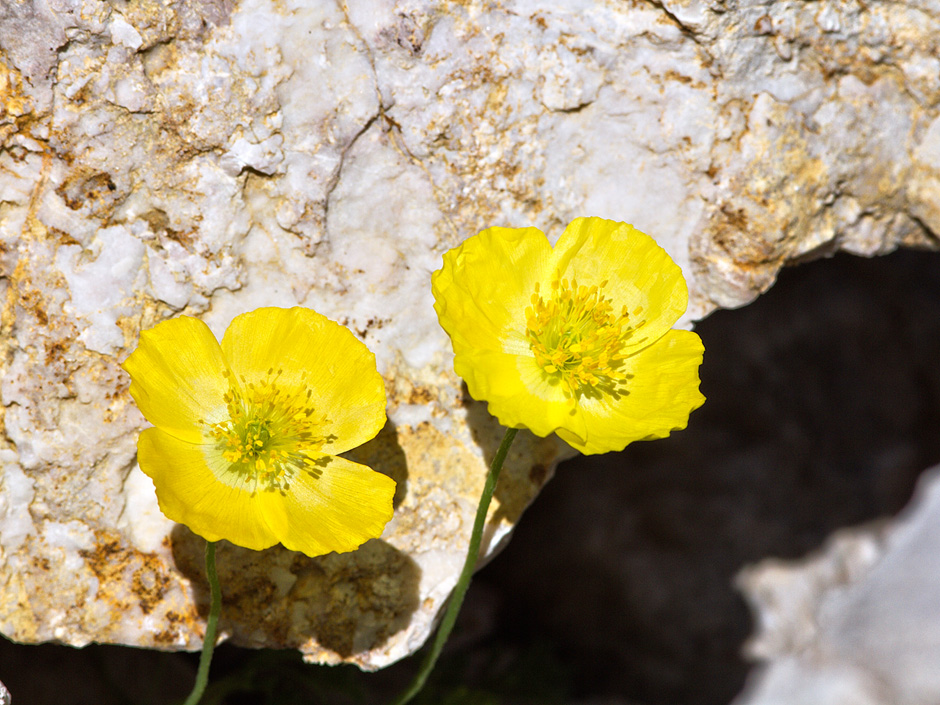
[(576, 336), (265, 426)]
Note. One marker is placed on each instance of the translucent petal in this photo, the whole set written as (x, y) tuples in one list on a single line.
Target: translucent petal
[(639, 273), (189, 492), (663, 389), (484, 287), (519, 393), (314, 353), (342, 508), (176, 377)]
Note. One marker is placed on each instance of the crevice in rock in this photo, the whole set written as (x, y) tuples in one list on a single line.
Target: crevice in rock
[(338, 172)]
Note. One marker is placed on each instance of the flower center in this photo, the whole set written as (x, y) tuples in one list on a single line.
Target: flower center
[(269, 433), (578, 337)]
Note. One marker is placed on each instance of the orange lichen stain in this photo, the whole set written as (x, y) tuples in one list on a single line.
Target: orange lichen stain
[(13, 100), (130, 329), (32, 301), (673, 75), (23, 291), (116, 565), (735, 217), (17, 112), (730, 234), (497, 96), (150, 586), (764, 25), (371, 324), (55, 350), (425, 388), (62, 237), (81, 188), (175, 624), (108, 558), (159, 223), (166, 637), (539, 20), (419, 395)]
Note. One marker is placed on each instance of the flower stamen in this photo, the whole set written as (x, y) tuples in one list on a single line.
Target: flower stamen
[(269, 434), (578, 338)]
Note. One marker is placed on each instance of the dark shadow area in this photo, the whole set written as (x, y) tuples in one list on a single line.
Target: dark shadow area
[(525, 471), (348, 602), (96, 675), (383, 454), (823, 407)]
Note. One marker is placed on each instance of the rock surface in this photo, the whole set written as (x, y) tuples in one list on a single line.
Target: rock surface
[(857, 623), (211, 157)]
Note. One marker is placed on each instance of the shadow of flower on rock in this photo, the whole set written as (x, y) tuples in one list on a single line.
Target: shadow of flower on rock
[(384, 454), (332, 607), (530, 463)]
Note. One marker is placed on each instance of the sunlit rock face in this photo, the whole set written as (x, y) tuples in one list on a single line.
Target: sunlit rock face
[(212, 157)]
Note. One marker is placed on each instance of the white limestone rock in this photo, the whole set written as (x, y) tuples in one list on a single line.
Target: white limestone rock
[(211, 157), (857, 623)]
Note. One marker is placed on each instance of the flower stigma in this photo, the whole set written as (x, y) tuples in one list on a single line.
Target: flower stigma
[(578, 338), (270, 433)]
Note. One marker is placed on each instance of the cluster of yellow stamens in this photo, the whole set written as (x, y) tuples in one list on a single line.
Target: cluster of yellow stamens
[(578, 337), (269, 432)]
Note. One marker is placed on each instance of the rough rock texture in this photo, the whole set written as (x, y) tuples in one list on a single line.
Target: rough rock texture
[(856, 624), (211, 157)]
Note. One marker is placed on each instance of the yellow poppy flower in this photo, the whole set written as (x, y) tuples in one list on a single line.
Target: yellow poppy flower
[(575, 340), (247, 433)]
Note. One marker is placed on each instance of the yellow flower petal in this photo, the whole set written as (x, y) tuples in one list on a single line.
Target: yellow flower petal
[(639, 273), (575, 340), (514, 386), (342, 508), (662, 390), (189, 492), (488, 280), (176, 377), (238, 424), (308, 351)]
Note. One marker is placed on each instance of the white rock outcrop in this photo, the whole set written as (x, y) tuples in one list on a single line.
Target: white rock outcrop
[(211, 157), (857, 623)]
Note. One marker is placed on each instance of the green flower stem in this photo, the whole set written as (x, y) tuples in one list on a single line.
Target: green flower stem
[(460, 590), (208, 644)]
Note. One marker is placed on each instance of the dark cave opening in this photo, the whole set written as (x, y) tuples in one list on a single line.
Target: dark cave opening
[(823, 408)]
